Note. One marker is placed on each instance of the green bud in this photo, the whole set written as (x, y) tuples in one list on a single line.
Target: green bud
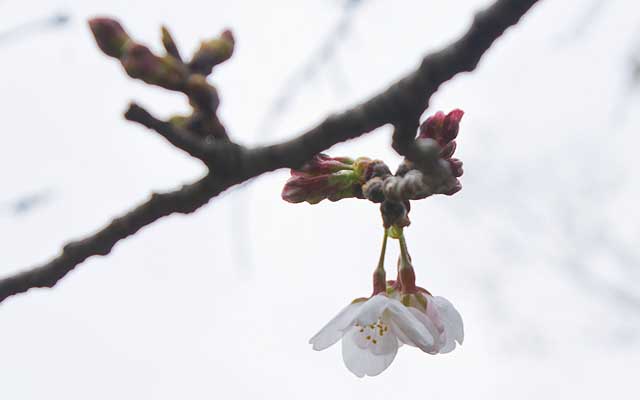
[(212, 52)]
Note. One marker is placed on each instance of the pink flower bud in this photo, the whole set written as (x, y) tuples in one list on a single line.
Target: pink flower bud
[(324, 164), (315, 188), (432, 126), (333, 178), (442, 128), (451, 125)]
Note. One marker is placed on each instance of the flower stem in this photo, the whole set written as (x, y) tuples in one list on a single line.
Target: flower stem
[(404, 252), (406, 274), (379, 274), (383, 251)]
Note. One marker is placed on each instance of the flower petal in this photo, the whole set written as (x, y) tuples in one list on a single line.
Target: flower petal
[(452, 321), (431, 327), (372, 310), (385, 344), (334, 329), (434, 316), (402, 338), (377, 338), (404, 324), (363, 361)]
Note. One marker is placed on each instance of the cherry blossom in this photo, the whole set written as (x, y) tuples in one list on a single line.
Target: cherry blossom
[(371, 331)]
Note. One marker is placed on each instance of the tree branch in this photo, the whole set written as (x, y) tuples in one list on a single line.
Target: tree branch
[(401, 104), (174, 135)]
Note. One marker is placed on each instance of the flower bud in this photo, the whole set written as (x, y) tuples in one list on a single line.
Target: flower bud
[(452, 125), (212, 52), (333, 178), (432, 126), (140, 63), (324, 164), (442, 128), (315, 188), (110, 35), (169, 44), (432, 169)]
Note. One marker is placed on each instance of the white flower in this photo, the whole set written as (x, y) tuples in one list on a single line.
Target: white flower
[(439, 316), (371, 329)]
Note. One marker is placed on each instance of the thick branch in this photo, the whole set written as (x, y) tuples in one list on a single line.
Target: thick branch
[(185, 200), (401, 104)]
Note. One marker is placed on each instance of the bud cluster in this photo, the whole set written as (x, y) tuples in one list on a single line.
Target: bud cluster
[(432, 170), (444, 130), (169, 71), (332, 178), (420, 180), (137, 59)]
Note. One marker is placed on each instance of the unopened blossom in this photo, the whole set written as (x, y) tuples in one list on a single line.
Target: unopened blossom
[(325, 177), (432, 169), (371, 331), (444, 130)]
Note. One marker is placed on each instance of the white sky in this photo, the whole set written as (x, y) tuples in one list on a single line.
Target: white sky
[(538, 252)]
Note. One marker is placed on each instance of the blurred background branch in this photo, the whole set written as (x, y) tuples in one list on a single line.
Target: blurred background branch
[(53, 21)]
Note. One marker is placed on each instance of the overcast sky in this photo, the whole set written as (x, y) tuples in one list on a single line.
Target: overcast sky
[(539, 251)]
